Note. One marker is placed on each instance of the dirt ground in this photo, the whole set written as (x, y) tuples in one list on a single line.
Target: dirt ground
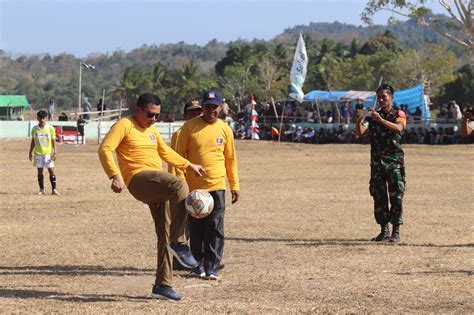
[(297, 241)]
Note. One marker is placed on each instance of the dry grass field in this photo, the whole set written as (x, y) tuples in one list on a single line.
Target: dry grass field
[(297, 241)]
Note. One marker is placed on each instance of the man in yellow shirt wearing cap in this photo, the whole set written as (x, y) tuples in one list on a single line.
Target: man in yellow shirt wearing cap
[(208, 141)]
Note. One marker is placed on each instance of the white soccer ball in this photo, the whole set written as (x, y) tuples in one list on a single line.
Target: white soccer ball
[(199, 203)]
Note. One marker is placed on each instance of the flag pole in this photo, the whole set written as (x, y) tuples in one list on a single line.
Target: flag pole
[(375, 100), (274, 109), (276, 117), (80, 87), (281, 122), (319, 114)]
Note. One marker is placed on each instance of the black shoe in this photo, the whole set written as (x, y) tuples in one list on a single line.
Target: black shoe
[(177, 265), (220, 267), (384, 234), (165, 292), (183, 255), (395, 234), (212, 274), (198, 272)]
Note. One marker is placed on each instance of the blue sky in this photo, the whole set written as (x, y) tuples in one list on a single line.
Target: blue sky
[(85, 27)]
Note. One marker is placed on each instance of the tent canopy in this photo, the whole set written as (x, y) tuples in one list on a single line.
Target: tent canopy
[(14, 101), (324, 96), (357, 95), (412, 98), (336, 96)]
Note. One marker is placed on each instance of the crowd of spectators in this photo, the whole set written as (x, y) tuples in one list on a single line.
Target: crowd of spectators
[(298, 125), (345, 134)]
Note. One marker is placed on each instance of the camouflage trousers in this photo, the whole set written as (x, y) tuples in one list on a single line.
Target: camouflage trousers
[(393, 178)]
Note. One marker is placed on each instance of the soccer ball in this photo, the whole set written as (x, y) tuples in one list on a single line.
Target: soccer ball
[(199, 203)]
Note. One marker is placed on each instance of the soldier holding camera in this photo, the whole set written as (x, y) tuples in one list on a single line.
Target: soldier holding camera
[(387, 166)]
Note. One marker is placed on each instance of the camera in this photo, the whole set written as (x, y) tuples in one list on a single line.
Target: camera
[(365, 112)]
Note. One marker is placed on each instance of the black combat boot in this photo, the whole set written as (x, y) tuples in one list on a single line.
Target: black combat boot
[(384, 234), (395, 234)]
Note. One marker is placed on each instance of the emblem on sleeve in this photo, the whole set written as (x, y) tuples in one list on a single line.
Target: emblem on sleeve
[(219, 141)]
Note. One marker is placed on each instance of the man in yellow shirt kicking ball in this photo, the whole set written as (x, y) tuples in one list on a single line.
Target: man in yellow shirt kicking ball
[(139, 149), (208, 141)]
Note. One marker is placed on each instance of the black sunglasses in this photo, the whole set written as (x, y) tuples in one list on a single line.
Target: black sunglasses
[(151, 115)]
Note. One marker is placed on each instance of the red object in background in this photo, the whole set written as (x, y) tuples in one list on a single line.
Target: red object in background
[(66, 134)]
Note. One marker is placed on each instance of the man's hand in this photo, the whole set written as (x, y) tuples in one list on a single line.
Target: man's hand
[(361, 115), (117, 183), (197, 169), (30, 156), (235, 195), (376, 116), (54, 156)]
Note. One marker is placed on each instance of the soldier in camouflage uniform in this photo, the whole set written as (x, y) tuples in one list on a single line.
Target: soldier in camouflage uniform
[(387, 167)]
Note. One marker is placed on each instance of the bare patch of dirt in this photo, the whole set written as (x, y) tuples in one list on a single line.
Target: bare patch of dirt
[(297, 241)]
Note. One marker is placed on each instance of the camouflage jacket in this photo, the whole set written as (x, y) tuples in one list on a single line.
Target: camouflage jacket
[(385, 147)]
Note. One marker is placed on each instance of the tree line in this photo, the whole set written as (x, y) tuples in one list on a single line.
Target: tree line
[(180, 72)]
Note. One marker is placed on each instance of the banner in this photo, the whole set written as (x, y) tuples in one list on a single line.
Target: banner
[(298, 71)]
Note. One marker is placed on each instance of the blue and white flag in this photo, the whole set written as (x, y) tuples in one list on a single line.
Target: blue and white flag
[(298, 71)]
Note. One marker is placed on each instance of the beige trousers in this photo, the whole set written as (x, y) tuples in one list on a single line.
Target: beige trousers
[(155, 188)]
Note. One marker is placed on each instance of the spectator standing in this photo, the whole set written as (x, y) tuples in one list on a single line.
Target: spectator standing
[(80, 125), (345, 114), (225, 109), (101, 106), (51, 106), (456, 111), (467, 123), (288, 111), (450, 111), (417, 114), (86, 109)]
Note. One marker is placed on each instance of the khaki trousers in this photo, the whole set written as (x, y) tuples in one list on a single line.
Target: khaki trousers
[(155, 188)]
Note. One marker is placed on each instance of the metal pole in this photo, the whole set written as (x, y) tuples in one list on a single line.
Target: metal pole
[(319, 114), (102, 105), (422, 100), (80, 87)]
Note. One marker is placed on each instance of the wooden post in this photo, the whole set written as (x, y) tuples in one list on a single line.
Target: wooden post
[(281, 122)]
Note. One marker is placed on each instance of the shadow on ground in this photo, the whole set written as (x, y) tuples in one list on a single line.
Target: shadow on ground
[(35, 294), (339, 242), (74, 270), (434, 272)]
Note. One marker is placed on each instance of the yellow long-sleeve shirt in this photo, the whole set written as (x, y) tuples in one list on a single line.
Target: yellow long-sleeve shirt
[(212, 146), (137, 149), (174, 140)]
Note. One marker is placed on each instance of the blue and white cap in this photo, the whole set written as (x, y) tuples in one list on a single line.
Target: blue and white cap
[(212, 97)]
